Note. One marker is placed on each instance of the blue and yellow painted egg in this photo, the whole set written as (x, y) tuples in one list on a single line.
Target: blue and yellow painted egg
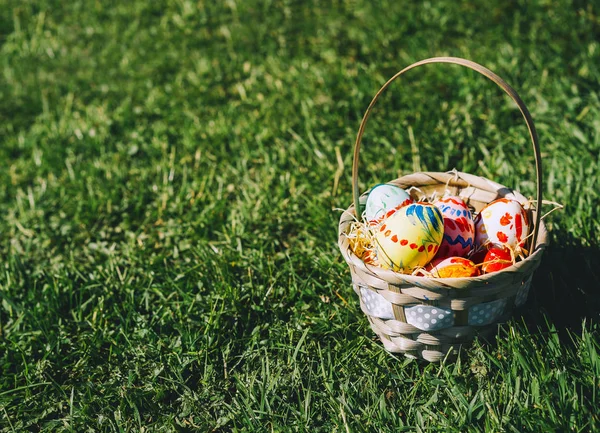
[(410, 237)]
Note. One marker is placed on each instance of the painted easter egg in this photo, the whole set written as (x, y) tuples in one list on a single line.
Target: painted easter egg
[(410, 237), (383, 200), (502, 222), (477, 254), (433, 263), (455, 267), (459, 229), (496, 259)]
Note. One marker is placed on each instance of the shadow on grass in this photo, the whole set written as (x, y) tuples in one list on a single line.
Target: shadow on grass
[(566, 287)]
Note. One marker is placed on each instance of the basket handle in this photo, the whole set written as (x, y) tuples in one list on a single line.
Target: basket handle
[(496, 79)]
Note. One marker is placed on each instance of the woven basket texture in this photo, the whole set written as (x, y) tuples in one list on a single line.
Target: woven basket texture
[(430, 318)]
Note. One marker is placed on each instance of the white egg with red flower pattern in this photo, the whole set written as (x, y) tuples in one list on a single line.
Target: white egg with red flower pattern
[(459, 229), (502, 222), (383, 200)]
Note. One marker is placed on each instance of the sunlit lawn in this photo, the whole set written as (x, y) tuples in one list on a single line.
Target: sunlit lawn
[(170, 178)]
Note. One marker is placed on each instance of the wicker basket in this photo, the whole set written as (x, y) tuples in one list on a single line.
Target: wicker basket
[(454, 310)]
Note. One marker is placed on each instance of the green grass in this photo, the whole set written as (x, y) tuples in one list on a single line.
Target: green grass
[(168, 178)]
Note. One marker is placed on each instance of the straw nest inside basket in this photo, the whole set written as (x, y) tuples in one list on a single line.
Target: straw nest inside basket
[(426, 317)]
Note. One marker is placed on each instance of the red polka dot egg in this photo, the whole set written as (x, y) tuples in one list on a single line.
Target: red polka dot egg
[(459, 229), (503, 222)]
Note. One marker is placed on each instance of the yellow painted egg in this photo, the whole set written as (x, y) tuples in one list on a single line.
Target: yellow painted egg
[(410, 237)]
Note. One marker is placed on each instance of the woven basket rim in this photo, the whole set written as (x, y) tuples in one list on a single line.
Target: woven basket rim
[(520, 267)]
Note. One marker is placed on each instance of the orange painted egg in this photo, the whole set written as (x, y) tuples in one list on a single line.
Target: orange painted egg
[(459, 229), (455, 267), (432, 264), (502, 222), (410, 237)]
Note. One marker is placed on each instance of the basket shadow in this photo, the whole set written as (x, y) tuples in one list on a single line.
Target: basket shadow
[(564, 292), (565, 289)]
